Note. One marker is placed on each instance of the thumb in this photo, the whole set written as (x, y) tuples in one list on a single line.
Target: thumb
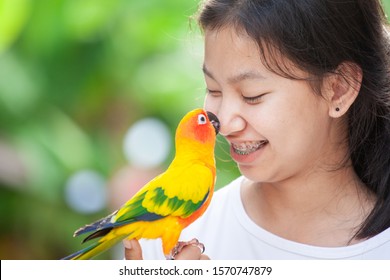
[(133, 250)]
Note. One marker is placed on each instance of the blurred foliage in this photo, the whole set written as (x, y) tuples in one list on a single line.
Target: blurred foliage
[(74, 76)]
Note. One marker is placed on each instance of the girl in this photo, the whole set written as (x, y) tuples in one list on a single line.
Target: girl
[(301, 89)]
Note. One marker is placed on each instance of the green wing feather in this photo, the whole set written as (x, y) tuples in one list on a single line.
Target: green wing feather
[(170, 194)]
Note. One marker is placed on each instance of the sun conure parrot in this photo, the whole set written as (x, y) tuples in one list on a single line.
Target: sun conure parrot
[(169, 202)]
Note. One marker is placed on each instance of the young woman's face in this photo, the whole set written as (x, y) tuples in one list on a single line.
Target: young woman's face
[(277, 128)]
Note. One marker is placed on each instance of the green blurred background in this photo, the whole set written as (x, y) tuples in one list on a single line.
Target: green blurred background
[(75, 76)]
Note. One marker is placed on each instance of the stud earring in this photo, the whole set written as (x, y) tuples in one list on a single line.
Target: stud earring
[(337, 109)]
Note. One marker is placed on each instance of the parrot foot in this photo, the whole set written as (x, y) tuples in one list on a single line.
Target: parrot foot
[(181, 244)]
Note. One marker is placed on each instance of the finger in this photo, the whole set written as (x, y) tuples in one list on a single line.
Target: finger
[(204, 257), (133, 250), (190, 252)]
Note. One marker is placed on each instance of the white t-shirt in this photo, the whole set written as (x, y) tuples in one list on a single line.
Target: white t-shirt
[(229, 234)]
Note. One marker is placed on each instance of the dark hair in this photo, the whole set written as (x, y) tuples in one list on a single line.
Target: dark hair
[(318, 36)]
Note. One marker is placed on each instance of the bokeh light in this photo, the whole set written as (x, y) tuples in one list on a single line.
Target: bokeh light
[(86, 192), (147, 143)]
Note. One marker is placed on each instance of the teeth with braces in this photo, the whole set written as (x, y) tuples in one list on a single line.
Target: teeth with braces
[(248, 147)]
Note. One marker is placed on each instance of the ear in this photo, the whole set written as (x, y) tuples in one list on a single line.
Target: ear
[(342, 87)]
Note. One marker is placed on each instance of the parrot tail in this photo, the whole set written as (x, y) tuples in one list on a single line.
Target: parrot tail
[(94, 249), (98, 225)]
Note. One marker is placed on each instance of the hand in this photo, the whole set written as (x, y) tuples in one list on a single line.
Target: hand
[(133, 251)]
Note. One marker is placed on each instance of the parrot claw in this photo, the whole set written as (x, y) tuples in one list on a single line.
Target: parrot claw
[(181, 244)]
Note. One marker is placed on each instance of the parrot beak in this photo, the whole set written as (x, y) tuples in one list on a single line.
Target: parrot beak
[(214, 121)]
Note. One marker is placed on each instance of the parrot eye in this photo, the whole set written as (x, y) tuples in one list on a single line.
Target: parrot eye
[(202, 119)]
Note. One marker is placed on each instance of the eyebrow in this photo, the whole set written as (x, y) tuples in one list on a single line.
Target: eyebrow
[(245, 75)]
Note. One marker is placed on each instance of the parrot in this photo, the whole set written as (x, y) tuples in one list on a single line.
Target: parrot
[(171, 201)]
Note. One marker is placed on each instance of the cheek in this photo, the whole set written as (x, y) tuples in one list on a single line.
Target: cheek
[(283, 122), (299, 134)]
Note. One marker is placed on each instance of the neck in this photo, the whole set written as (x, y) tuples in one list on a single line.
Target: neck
[(323, 209)]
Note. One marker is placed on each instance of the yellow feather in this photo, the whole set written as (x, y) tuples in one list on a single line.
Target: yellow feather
[(171, 201)]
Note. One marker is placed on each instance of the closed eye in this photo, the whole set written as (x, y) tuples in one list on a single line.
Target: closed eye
[(213, 92), (254, 99)]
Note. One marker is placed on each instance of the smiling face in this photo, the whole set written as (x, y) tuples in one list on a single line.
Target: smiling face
[(277, 127)]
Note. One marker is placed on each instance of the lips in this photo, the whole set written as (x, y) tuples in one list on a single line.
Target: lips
[(246, 148)]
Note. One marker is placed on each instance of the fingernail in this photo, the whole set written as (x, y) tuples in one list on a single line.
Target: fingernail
[(200, 246), (127, 244)]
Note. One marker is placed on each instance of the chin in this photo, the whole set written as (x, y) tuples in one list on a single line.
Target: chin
[(252, 173)]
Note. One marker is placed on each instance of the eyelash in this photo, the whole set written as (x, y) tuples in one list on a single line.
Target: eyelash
[(213, 92), (253, 100), (249, 100)]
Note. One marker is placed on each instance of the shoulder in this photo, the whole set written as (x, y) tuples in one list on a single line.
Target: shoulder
[(221, 222), (232, 188), (376, 247), (224, 200)]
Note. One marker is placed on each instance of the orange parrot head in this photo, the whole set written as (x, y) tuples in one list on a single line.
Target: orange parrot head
[(197, 126)]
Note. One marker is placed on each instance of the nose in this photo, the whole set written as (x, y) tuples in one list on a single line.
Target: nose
[(230, 117), (231, 125)]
